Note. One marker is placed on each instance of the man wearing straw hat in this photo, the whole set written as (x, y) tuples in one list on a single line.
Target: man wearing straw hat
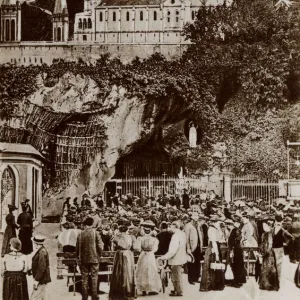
[(176, 257), (40, 269)]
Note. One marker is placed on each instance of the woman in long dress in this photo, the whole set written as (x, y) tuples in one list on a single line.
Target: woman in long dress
[(122, 285), (147, 277), (25, 233), (14, 266), (268, 279), (10, 230), (236, 251), (212, 279)]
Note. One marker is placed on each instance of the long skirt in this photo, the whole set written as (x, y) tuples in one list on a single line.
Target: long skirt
[(122, 285), (268, 279), (279, 252), (15, 286), (10, 232), (25, 235), (147, 277), (211, 280), (238, 265), (295, 250)]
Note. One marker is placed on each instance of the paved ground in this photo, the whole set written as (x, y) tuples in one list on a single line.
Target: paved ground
[(249, 291)]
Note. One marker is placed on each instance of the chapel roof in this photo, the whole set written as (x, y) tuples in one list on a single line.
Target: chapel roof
[(19, 149)]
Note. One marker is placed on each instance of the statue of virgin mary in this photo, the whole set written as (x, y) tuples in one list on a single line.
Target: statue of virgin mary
[(193, 135)]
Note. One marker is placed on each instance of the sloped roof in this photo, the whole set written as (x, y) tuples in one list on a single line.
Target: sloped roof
[(130, 2), (19, 149), (60, 5)]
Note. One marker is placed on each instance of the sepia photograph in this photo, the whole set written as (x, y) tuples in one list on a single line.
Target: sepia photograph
[(149, 149)]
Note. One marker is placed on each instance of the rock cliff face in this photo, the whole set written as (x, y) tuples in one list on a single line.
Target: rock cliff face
[(74, 102)]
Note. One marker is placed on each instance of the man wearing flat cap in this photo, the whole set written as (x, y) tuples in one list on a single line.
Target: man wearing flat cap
[(40, 269)]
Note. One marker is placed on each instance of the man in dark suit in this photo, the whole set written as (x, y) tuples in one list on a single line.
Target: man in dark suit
[(185, 199), (164, 238), (40, 269), (89, 247)]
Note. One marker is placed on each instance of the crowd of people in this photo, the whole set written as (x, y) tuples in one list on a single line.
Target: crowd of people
[(22, 256), (206, 238)]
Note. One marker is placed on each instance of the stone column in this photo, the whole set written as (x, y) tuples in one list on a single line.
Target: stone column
[(161, 35), (119, 26), (106, 25), (226, 185), (147, 25), (29, 183), (133, 25), (18, 25)]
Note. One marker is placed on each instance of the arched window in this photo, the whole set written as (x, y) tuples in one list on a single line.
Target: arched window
[(177, 16), (114, 16), (13, 30), (80, 24), (193, 15), (7, 30), (58, 34), (141, 15), (89, 23), (101, 16), (84, 24), (127, 16), (8, 191), (54, 35), (169, 13), (155, 15)]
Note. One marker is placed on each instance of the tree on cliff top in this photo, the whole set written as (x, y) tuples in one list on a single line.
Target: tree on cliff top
[(248, 53), (250, 44)]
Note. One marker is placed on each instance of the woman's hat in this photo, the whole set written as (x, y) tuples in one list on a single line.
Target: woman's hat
[(39, 239), (16, 244)]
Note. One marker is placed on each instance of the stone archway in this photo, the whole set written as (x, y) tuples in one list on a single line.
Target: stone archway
[(9, 181)]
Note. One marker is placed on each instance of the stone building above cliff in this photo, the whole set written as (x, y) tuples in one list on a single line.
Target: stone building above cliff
[(137, 21), (10, 25)]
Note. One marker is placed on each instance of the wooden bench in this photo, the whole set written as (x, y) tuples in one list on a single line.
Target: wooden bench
[(69, 260)]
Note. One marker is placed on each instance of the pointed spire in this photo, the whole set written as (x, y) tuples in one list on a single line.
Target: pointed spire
[(60, 7)]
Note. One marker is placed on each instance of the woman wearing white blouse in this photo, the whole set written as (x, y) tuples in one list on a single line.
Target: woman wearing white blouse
[(14, 268)]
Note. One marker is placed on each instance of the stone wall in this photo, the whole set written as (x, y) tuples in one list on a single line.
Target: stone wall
[(26, 53)]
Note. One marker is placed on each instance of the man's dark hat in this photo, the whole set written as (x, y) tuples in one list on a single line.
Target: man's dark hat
[(12, 207)]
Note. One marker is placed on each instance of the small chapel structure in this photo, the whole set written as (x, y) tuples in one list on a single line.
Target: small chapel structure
[(20, 178)]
